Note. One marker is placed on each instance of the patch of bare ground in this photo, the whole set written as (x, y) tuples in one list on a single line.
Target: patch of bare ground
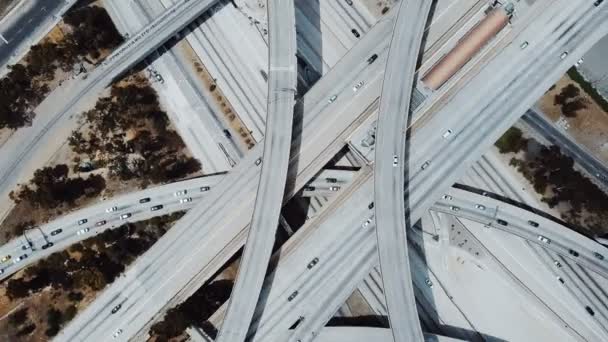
[(6, 6), (588, 125), (39, 300), (126, 142)]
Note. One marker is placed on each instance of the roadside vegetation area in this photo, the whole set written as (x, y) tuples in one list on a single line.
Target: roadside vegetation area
[(195, 311), (45, 296), (580, 202), (85, 36), (125, 142)]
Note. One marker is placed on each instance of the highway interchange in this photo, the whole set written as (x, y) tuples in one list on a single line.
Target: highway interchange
[(475, 108)]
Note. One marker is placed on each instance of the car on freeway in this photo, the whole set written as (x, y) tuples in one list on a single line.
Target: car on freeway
[(573, 252), (597, 3), (454, 208), (47, 245), (125, 216), (332, 99), (590, 310), (447, 133), (543, 239), (292, 296), (331, 180), (355, 33), (157, 207), (372, 58), (82, 231), (367, 223), (116, 308), (425, 165), (598, 256), (258, 161), (100, 223), (563, 55), (533, 224), (557, 263), (19, 258), (144, 200), (349, 2), (480, 207), (180, 193), (447, 197), (5, 258), (502, 222), (117, 333), (111, 210), (309, 188), (312, 263), (205, 188), (159, 78), (524, 45), (334, 188), (560, 279), (185, 200), (371, 206), (358, 86), (83, 221), (395, 160), (428, 282), (56, 232), (27, 245)]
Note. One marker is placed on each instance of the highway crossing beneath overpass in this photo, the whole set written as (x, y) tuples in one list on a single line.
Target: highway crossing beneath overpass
[(212, 251)]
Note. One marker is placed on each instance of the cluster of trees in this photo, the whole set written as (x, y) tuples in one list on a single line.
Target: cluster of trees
[(102, 259), (570, 101), (24, 87), (511, 141), (553, 176), (194, 311), (20, 321), (52, 187), (154, 152)]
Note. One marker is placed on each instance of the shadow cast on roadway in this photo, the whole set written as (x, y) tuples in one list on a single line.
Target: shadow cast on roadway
[(296, 142)]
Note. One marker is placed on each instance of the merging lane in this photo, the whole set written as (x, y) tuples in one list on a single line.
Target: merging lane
[(282, 82), (390, 167)]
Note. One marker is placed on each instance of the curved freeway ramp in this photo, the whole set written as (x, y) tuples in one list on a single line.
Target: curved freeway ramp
[(282, 81), (390, 168)]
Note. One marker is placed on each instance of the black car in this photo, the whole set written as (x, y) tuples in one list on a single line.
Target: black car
[(156, 207), (502, 222), (331, 180), (56, 231), (355, 33), (47, 245), (144, 200), (309, 188), (597, 3), (573, 252), (116, 308), (533, 224), (372, 58), (371, 206), (590, 311)]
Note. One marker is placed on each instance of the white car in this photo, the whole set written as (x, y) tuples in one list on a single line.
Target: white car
[(367, 223), (358, 86), (480, 207), (334, 188), (425, 165), (180, 193), (543, 239), (117, 333), (447, 134), (332, 99), (454, 208), (111, 210), (395, 161), (82, 231), (185, 200), (523, 45), (125, 216), (447, 197), (563, 55)]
